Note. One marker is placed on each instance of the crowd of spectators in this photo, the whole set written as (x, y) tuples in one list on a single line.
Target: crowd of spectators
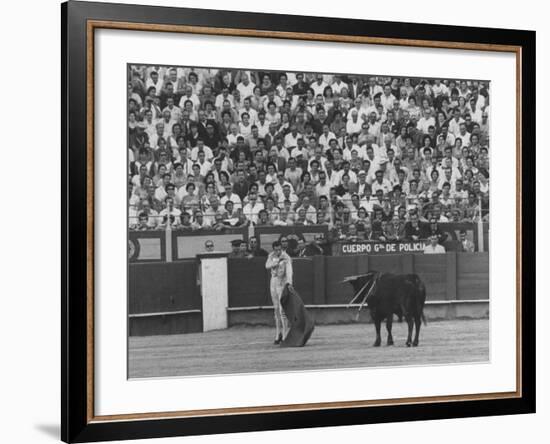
[(371, 157)]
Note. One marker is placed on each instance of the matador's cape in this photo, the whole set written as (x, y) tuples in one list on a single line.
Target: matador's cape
[(300, 320)]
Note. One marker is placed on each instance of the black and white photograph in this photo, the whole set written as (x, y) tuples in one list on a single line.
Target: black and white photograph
[(256, 222), (289, 221)]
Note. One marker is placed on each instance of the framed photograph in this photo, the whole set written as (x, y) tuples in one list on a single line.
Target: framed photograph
[(275, 221)]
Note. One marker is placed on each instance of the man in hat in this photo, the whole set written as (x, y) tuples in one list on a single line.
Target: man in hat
[(236, 248), (313, 248), (280, 265)]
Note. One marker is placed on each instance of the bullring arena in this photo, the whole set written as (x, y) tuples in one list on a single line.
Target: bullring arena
[(347, 174), (169, 310)]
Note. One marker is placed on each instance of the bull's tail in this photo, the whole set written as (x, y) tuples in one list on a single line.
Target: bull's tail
[(421, 300)]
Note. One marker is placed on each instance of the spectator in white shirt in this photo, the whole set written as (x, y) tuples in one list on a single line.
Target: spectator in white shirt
[(426, 121), (220, 98), (293, 173), (204, 165), (381, 183), (252, 208), (154, 81), (350, 146), (246, 87), (434, 247), (300, 150), (373, 88), (475, 111), (354, 124), (209, 155), (233, 136), (262, 124), (326, 137), (319, 85), (310, 211), (387, 98), (464, 134), (323, 187), (230, 196), (169, 213), (247, 108), (160, 192), (439, 88), (346, 170), (282, 86), (454, 123), (280, 182), (175, 111), (245, 127), (287, 195), (213, 210), (291, 139), (189, 95)]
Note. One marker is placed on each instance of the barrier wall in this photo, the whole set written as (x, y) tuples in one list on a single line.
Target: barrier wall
[(146, 246), (449, 277), (167, 246), (187, 244), (174, 245), (164, 297), (249, 281), (472, 272)]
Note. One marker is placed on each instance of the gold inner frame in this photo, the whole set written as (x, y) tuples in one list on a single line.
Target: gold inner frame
[(96, 24)]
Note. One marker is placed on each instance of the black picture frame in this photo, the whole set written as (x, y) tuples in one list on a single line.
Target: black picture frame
[(76, 423)]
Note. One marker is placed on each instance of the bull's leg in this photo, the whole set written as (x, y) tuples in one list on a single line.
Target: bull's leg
[(377, 325), (417, 324), (399, 314), (410, 323), (389, 322)]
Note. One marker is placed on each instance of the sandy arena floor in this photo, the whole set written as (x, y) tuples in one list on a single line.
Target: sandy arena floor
[(250, 349)]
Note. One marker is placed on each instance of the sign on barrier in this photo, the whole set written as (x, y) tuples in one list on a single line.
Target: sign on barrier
[(377, 247)]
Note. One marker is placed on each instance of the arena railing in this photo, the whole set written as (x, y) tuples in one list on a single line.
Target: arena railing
[(479, 211)]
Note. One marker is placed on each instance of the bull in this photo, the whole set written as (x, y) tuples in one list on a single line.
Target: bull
[(387, 294)]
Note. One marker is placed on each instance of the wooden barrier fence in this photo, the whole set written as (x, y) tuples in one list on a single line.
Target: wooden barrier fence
[(164, 298)]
